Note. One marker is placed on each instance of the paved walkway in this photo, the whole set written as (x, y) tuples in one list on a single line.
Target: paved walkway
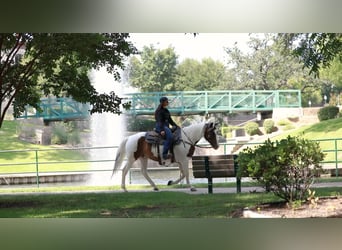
[(244, 189)]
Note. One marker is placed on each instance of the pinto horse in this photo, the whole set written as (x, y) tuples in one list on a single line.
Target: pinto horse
[(135, 147)]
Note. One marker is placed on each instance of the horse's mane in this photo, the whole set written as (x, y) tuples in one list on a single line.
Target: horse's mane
[(194, 125), (199, 123)]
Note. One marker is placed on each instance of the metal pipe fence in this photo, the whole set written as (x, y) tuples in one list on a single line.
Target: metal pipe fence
[(80, 160), (90, 159)]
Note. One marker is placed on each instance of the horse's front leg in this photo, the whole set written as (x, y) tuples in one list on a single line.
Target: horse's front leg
[(143, 162), (185, 169), (181, 177)]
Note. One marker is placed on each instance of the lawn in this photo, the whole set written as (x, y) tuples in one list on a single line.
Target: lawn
[(163, 204), (329, 129), (24, 154)]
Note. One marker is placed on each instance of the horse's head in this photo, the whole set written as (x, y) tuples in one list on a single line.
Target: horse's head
[(210, 134)]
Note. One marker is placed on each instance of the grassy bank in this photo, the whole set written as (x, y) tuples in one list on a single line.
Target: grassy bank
[(329, 129), (24, 154), (321, 130)]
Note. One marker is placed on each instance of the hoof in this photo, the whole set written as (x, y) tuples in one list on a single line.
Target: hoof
[(155, 189), (193, 189), (170, 183)]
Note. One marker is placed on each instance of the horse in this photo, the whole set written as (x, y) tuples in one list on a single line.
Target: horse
[(135, 147)]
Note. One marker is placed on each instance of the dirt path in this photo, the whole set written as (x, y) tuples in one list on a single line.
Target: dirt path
[(325, 207)]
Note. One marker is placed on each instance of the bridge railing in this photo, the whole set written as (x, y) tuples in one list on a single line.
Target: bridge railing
[(58, 109), (197, 102)]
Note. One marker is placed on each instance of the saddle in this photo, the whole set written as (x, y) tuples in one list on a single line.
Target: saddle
[(154, 138)]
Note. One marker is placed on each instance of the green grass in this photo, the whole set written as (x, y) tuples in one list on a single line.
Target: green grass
[(164, 204), (329, 129), (26, 155), (322, 130)]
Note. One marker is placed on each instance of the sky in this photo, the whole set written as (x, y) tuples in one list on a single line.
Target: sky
[(203, 45)]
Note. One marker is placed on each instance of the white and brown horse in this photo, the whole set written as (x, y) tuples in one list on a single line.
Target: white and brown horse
[(135, 147)]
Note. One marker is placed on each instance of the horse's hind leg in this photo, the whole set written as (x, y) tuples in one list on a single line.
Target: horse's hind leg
[(143, 162), (124, 173)]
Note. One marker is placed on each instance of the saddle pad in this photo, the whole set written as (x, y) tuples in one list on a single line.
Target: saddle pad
[(153, 137)]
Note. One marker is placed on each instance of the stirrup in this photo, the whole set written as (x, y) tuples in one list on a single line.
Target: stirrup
[(168, 157)]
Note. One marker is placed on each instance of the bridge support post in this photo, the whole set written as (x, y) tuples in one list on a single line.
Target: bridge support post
[(259, 116)]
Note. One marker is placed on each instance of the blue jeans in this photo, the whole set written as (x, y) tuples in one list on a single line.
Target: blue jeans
[(168, 140)]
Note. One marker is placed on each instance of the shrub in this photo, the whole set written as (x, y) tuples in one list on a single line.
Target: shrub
[(226, 131), (252, 128), (286, 167), (329, 112), (140, 124), (283, 122), (59, 135), (74, 137), (268, 126)]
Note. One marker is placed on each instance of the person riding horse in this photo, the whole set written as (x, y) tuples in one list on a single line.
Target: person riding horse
[(163, 121)]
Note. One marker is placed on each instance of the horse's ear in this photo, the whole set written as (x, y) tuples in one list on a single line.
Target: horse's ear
[(213, 124)]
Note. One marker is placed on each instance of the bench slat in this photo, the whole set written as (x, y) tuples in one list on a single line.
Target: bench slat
[(221, 161), (221, 165), (212, 157), (215, 173)]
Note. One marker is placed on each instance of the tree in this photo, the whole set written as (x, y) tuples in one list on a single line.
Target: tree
[(332, 79), (268, 66), (264, 67), (315, 50), (32, 65), (205, 75), (154, 70)]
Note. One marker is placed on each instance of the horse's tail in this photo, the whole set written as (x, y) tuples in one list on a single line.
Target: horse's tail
[(120, 155)]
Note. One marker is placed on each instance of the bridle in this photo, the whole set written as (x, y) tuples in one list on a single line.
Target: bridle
[(189, 142)]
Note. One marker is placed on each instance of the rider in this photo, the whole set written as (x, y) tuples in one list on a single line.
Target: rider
[(163, 122)]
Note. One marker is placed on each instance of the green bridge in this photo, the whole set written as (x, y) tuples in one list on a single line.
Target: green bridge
[(58, 109), (205, 102), (180, 103)]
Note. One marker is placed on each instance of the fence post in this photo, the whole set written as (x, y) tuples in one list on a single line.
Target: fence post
[(238, 179), (336, 160), (208, 175), (37, 169)]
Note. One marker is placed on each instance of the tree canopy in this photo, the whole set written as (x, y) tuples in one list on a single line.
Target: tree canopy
[(207, 74), (36, 64), (153, 70), (157, 70), (264, 67), (315, 50)]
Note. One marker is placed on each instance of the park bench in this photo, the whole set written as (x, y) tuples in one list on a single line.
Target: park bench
[(215, 166)]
